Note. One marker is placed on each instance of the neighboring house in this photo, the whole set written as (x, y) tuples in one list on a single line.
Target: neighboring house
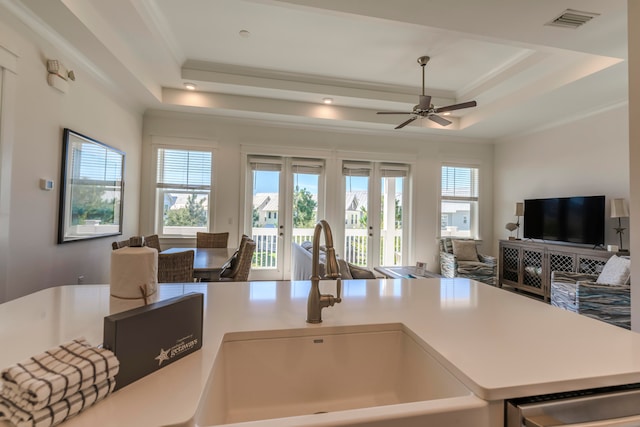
[(175, 200), (267, 206), (453, 218), (355, 208)]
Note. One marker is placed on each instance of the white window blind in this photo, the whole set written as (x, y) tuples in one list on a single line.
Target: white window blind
[(356, 169), (184, 169), (307, 166), (394, 170), (459, 183), (265, 163)]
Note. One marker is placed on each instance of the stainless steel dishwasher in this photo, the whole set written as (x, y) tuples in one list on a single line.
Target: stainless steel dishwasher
[(617, 406)]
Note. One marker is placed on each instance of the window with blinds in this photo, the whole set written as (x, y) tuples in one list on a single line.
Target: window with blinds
[(459, 201), (183, 185)]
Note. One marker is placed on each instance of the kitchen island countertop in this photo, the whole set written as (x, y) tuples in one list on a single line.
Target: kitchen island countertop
[(499, 344)]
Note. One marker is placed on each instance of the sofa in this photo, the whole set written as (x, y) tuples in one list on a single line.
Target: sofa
[(301, 264), (605, 296)]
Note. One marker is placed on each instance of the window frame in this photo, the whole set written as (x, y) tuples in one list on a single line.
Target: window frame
[(473, 198), (181, 188)]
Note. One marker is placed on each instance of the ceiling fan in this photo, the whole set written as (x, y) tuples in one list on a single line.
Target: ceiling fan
[(425, 108)]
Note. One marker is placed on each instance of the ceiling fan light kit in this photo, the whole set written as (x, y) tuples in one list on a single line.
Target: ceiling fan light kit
[(425, 108)]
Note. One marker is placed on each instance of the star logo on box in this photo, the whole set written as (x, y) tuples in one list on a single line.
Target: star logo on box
[(182, 347), (164, 355)]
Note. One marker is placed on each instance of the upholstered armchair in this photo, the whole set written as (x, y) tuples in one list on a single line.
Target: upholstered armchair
[(605, 296), (460, 258)]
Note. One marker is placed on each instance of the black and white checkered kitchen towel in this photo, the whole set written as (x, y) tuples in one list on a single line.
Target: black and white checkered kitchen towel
[(58, 412), (56, 374)]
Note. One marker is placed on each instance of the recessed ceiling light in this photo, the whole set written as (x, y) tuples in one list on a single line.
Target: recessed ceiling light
[(448, 113), (244, 34), (327, 100), (190, 86)]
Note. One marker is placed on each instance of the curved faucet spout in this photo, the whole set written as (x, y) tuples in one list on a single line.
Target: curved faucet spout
[(317, 301)]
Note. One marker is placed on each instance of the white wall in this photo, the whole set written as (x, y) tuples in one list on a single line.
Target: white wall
[(35, 261), (588, 157), (424, 153)]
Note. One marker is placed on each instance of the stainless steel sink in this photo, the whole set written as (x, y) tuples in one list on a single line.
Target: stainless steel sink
[(337, 375)]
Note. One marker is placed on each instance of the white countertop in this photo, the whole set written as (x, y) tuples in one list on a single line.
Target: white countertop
[(499, 344)]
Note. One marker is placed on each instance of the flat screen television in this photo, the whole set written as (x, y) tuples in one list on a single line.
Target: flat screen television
[(565, 219)]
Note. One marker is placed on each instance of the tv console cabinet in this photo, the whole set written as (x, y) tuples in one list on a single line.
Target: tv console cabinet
[(527, 265)]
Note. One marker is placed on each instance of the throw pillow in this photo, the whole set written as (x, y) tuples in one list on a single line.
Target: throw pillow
[(229, 267), (345, 272), (307, 245), (361, 273), (465, 250), (616, 271)]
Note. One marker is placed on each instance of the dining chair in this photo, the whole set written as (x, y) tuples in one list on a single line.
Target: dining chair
[(211, 240), (120, 244), (243, 240), (153, 241), (175, 267), (238, 269)]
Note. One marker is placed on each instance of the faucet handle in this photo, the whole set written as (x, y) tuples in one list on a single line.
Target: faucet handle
[(338, 289)]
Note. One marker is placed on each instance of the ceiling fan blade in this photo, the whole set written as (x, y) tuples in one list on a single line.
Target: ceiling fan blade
[(456, 107), (439, 120), (403, 124), (425, 102), (394, 112)]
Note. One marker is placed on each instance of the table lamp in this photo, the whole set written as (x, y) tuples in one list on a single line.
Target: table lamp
[(519, 212), (619, 209), (516, 225)]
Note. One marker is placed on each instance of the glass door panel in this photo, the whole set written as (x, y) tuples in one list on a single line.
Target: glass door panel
[(356, 233), (391, 192), (265, 219), (305, 206)]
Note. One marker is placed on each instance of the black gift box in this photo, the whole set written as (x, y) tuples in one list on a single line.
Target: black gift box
[(149, 338)]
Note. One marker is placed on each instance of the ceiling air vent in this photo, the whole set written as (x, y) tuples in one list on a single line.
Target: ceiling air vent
[(571, 18)]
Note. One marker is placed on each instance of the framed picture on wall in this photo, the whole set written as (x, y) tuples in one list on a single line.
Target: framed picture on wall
[(91, 190)]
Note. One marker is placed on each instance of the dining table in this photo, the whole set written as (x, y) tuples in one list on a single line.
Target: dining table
[(207, 262)]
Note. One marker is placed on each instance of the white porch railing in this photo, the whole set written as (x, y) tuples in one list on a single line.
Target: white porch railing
[(356, 248)]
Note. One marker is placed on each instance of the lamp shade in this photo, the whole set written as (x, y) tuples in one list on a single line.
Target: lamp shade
[(519, 209), (619, 208)]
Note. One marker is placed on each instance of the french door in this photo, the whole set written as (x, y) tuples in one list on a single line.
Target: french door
[(287, 195), (375, 213)]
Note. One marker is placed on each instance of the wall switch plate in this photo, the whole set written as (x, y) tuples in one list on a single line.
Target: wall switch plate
[(46, 184)]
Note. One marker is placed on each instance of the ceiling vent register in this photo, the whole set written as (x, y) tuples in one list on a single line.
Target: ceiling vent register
[(571, 18)]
